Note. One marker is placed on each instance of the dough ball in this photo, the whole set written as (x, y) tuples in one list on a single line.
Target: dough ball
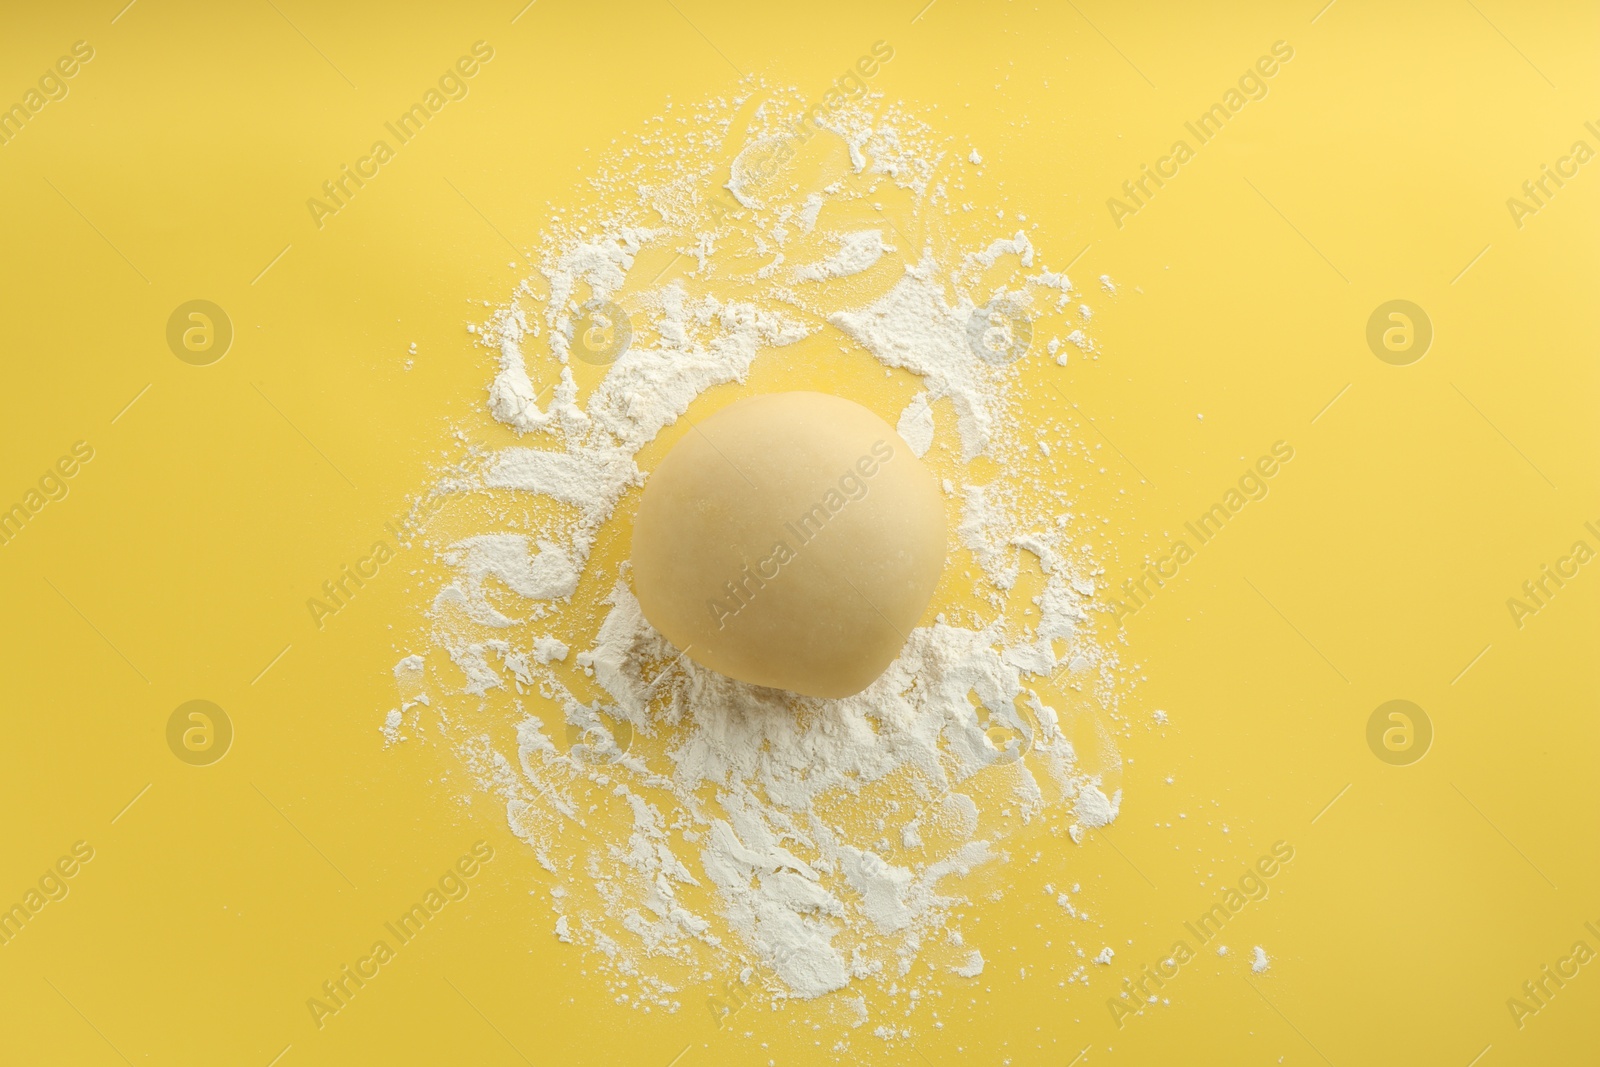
[(790, 540)]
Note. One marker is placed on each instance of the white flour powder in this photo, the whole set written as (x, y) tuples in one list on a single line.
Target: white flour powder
[(699, 833)]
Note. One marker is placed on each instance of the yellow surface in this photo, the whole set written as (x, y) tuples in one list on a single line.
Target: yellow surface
[(1379, 566)]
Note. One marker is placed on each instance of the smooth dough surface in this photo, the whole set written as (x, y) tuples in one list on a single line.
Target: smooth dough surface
[(790, 540)]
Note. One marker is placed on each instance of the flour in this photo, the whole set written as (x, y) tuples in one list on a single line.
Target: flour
[(916, 425), (1094, 808), (913, 326), (541, 577), (809, 212), (698, 831), (857, 252)]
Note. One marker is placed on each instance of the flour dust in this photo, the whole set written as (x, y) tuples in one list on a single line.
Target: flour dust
[(704, 841)]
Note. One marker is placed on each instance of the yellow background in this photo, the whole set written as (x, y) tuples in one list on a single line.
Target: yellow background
[(1378, 567)]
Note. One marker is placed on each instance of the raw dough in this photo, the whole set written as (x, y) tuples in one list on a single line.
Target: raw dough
[(790, 540)]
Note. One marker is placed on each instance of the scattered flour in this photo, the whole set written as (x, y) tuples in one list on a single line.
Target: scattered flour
[(857, 252), (1260, 961), (548, 649), (916, 424), (1094, 808), (547, 575), (694, 830), (391, 727)]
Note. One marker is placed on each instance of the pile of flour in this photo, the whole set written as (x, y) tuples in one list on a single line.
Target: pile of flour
[(700, 835)]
